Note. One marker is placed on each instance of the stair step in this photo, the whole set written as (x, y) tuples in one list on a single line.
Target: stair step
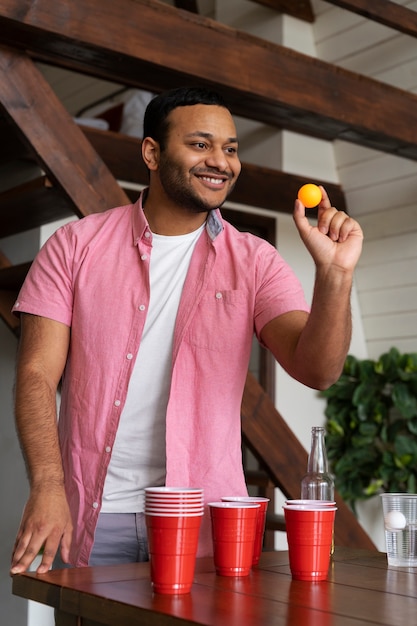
[(12, 277), (31, 205)]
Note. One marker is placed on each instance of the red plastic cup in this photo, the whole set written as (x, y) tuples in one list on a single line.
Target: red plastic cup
[(260, 524), (172, 542), (309, 535), (233, 526)]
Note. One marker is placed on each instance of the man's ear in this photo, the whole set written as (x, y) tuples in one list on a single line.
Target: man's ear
[(150, 153)]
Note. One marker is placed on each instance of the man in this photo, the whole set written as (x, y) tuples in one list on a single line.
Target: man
[(147, 312)]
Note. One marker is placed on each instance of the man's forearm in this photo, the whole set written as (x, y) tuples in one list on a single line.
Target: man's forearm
[(36, 423), (325, 340)]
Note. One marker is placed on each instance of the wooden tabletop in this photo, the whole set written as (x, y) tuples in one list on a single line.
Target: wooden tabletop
[(361, 589)]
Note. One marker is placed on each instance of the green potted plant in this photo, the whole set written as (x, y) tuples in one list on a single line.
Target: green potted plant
[(371, 426)]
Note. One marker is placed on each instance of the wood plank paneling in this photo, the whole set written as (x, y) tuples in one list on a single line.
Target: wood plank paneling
[(385, 275), (390, 223), (384, 12), (401, 326), (394, 248), (388, 301)]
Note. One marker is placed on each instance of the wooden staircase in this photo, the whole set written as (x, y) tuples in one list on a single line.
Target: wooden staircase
[(75, 171)]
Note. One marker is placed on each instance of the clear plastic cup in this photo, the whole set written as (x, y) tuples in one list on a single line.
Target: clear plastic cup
[(400, 521)]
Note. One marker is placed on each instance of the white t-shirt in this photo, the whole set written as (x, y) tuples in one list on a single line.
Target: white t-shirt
[(138, 458)]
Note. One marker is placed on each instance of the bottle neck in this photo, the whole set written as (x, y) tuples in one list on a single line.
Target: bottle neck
[(317, 459)]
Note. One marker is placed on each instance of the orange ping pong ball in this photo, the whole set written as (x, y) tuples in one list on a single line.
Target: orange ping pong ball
[(310, 195)]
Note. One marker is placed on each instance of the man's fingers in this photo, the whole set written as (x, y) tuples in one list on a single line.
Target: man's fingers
[(26, 550), (48, 556)]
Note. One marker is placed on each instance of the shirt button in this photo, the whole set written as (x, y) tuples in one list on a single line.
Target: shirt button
[(108, 449), (117, 403), (17, 304), (95, 505), (144, 257), (142, 307), (219, 295), (147, 234), (129, 356)]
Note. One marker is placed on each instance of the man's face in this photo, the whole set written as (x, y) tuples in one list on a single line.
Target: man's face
[(199, 166)]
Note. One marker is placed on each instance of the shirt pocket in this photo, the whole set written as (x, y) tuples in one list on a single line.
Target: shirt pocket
[(222, 321)]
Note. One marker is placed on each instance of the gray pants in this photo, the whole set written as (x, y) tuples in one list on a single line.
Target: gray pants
[(119, 538)]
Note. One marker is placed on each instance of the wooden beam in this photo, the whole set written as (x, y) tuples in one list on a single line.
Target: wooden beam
[(60, 146), (275, 190), (384, 12), (153, 46), (300, 9), (257, 186), (265, 431)]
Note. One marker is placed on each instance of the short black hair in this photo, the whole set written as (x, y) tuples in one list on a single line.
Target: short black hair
[(155, 124)]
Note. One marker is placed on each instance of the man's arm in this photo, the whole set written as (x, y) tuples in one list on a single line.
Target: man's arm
[(46, 520), (312, 347)]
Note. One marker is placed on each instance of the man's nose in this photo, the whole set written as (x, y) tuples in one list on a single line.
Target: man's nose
[(217, 159)]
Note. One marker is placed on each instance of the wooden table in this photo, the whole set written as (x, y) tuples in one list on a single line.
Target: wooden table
[(360, 589)]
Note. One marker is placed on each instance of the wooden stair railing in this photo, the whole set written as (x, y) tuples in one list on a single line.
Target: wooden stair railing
[(50, 134), (284, 459)]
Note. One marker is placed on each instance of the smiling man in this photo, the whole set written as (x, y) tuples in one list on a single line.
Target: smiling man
[(147, 313), (191, 171)]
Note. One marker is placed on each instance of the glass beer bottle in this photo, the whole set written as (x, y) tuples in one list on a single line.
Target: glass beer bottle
[(318, 483)]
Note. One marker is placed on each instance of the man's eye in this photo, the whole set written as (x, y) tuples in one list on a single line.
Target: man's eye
[(200, 144)]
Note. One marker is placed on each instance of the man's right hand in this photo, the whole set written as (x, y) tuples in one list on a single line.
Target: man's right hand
[(46, 523)]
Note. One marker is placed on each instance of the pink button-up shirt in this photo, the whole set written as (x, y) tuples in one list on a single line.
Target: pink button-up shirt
[(93, 275)]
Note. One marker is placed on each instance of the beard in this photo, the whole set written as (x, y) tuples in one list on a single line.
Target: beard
[(177, 187)]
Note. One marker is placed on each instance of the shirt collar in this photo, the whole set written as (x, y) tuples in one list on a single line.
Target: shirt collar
[(214, 224)]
